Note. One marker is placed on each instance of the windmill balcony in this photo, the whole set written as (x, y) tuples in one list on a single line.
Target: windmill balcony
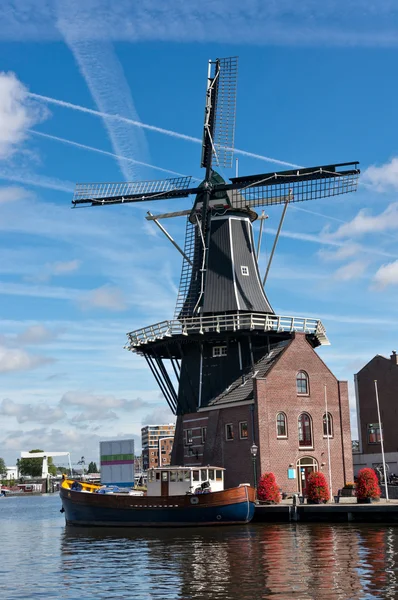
[(225, 323)]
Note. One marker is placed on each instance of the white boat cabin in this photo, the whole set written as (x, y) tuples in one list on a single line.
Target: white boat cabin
[(178, 481)]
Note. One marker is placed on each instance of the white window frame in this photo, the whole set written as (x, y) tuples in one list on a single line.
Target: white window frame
[(244, 270), (188, 439), (281, 437), (241, 437), (219, 351), (331, 430), (227, 439)]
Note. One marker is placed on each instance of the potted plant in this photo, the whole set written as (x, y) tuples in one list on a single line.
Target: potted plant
[(367, 486), (267, 490), (348, 490), (317, 488)]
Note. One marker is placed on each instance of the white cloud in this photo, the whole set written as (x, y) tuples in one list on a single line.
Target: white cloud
[(17, 114), (382, 178), (341, 253), (33, 413), (87, 399), (36, 334), (13, 359), (365, 223), (353, 270), (161, 415), (60, 268), (386, 275), (107, 296), (12, 194)]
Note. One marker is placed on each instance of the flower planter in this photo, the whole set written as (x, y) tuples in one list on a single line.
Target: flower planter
[(364, 500), (348, 492)]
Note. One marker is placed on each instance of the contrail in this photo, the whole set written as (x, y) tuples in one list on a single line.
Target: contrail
[(161, 130), (118, 156), (38, 180)]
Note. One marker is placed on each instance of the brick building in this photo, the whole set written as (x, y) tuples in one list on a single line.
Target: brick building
[(157, 441), (281, 408), (385, 371)]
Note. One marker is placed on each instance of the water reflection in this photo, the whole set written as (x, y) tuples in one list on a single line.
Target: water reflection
[(259, 561)]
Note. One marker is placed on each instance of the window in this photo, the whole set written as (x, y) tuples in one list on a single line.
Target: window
[(218, 475), (204, 431), (173, 476), (243, 431), (195, 475), (304, 430), (327, 425), (188, 436), (302, 383), (281, 425), (373, 433), (229, 432), (211, 474), (203, 475), (219, 351), (245, 271)]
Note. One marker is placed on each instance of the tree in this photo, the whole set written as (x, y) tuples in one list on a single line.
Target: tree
[(34, 466), (3, 468), (317, 487), (367, 484), (92, 467), (267, 489)]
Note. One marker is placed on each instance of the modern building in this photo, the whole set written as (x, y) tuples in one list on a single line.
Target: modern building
[(117, 462), (385, 371), (157, 444), (280, 406)]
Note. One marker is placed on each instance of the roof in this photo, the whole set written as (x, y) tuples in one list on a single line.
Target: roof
[(238, 391)]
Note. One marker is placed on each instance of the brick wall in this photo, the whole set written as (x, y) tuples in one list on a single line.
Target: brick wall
[(277, 392)]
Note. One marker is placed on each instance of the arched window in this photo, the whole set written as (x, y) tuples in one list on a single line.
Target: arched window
[(302, 383), (327, 425), (281, 425), (305, 430)]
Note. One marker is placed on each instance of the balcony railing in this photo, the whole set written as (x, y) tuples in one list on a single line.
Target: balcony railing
[(225, 323)]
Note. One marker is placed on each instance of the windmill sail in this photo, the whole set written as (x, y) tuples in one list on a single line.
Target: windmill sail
[(131, 191)]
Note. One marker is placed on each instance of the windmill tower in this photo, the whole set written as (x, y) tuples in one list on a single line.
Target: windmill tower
[(224, 324)]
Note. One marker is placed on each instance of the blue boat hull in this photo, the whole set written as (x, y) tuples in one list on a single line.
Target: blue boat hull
[(116, 511)]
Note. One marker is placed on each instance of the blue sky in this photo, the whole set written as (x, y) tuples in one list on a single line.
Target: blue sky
[(316, 86)]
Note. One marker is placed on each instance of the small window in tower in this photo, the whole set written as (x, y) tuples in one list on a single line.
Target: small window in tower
[(219, 351), (245, 270), (229, 432), (188, 438)]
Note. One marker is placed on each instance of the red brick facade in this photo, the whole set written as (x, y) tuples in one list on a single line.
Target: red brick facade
[(202, 438)]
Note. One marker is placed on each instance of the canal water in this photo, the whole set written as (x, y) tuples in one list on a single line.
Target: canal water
[(41, 558)]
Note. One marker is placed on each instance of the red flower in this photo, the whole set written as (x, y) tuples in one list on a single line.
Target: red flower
[(317, 487), (267, 490), (367, 484)]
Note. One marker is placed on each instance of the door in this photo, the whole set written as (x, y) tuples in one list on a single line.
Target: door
[(164, 485), (305, 466)]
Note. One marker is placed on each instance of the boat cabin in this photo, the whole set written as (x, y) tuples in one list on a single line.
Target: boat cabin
[(177, 481)]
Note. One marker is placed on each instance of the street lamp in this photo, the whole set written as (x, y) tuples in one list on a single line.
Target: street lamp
[(253, 452)]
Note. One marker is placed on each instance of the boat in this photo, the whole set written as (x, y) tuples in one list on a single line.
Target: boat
[(175, 497)]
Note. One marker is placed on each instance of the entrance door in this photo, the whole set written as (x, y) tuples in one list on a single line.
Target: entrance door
[(164, 486), (305, 466)]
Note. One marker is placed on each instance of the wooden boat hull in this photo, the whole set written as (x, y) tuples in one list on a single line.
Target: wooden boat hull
[(233, 506)]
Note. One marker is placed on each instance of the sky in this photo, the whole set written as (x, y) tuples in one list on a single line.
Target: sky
[(111, 92)]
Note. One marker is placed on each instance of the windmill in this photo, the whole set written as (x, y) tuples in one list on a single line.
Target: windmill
[(223, 323)]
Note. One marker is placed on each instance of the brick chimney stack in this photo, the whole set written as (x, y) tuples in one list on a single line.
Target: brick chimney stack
[(394, 357)]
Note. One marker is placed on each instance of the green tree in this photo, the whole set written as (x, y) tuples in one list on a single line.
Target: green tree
[(3, 468), (92, 467), (34, 466)]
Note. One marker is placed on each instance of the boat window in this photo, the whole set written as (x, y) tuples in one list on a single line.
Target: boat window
[(173, 475), (165, 475), (219, 475), (187, 476), (195, 475), (211, 474), (151, 476), (157, 476), (203, 474), (180, 475)]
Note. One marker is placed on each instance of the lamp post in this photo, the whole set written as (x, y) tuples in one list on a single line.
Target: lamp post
[(253, 452)]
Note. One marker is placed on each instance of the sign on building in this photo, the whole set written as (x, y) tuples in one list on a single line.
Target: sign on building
[(117, 463)]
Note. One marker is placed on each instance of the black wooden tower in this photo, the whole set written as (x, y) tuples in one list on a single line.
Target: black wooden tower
[(224, 323)]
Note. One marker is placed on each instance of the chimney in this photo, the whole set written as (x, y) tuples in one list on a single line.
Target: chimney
[(394, 357)]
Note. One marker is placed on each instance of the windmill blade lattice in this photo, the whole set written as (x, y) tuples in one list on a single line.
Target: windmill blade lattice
[(225, 112), (131, 191), (293, 186)]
